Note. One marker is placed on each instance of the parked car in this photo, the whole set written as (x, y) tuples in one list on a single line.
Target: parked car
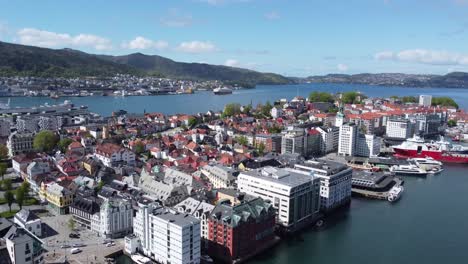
[(77, 245), (72, 235), (64, 246), (110, 244), (75, 250)]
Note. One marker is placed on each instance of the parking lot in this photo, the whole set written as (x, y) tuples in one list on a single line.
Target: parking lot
[(94, 248)]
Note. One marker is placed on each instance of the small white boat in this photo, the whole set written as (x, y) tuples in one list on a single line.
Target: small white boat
[(408, 170), (139, 259), (427, 163), (395, 193)]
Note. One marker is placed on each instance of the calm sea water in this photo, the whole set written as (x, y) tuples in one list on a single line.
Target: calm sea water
[(204, 101), (427, 225)]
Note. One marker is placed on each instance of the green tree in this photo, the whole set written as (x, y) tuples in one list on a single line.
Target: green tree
[(99, 186), (64, 143), (45, 141), (266, 108), (3, 169), (452, 123), (7, 184), (192, 122), (274, 129), (242, 140), (9, 197), (247, 109), (321, 97), (26, 187), (261, 148), (20, 196), (409, 99), (231, 109), (352, 97), (139, 147), (71, 224), (444, 101), (3, 152)]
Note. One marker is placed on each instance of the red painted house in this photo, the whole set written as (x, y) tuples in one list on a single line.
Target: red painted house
[(238, 231)]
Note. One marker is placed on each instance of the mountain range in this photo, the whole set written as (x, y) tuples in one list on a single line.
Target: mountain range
[(21, 60), (450, 80)]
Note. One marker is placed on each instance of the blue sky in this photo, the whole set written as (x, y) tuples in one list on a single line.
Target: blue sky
[(294, 38)]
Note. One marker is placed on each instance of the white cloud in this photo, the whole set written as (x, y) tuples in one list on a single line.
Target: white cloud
[(238, 64), (197, 47), (42, 38), (232, 63), (144, 43), (384, 55), (273, 15), (423, 56), (342, 67)]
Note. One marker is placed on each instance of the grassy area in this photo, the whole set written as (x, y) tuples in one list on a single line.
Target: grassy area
[(2, 201), (30, 201), (8, 214)]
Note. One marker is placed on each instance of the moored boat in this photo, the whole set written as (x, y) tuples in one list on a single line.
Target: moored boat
[(440, 150), (221, 91), (408, 170), (395, 193)]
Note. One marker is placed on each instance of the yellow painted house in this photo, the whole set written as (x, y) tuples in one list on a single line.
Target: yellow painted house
[(58, 197)]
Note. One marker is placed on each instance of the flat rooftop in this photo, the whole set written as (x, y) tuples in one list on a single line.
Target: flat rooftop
[(288, 177), (176, 218), (327, 166)]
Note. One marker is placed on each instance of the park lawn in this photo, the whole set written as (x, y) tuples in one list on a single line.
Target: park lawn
[(30, 201), (8, 214)]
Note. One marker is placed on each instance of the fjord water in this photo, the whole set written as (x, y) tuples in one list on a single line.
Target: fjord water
[(203, 101)]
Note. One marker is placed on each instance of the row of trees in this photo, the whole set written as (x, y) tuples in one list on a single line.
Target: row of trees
[(444, 101), (233, 109), (20, 195)]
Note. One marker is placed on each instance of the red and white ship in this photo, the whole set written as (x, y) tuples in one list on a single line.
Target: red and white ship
[(441, 150)]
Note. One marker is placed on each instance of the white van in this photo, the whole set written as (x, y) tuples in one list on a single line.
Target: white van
[(75, 250)]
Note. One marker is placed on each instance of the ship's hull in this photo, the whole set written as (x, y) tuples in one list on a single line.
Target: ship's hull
[(223, 92), (437, 155)]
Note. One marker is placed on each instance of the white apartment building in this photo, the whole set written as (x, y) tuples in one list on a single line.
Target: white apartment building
[(219, 176), (425, 100), (112, 154), (198, 209), (399, 128), (164, 235), (115, 218), (52, 123), (276, 112), (367, 145), (335, 182), (20, 142), (294, 141), (22, 247), (27, 124), (329, 142), (294, 194), (347, 139), (29, 221)]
